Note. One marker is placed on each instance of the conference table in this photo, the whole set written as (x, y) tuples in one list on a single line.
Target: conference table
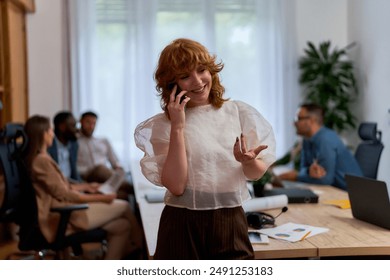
[(347, 236)]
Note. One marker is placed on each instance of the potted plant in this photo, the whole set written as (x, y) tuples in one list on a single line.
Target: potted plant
[(327, 77)]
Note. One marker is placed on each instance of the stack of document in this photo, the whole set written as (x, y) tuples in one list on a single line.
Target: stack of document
[(293, 232)]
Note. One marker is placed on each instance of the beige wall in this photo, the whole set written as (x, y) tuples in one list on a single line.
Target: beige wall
[(47, 67)]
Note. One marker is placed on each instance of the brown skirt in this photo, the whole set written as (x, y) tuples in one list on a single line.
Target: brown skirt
[(203, 234)]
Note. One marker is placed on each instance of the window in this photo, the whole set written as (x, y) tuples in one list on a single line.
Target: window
[(116, 44)]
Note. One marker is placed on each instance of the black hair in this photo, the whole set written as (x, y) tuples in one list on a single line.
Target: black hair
[(60, 118), (89, 114), (314, 109)]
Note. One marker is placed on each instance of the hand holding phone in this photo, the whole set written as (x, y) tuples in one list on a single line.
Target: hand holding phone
[(182, 98), (178, 90)]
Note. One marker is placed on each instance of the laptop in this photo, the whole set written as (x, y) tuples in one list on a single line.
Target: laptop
[(369, 200)]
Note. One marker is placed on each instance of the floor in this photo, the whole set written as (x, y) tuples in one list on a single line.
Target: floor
[(9, 251), (9, 246)]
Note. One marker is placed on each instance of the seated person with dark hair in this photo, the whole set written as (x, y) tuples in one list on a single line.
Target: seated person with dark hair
[(324, 157), (64, 151), (96, 159), (65, 147), (54, 190)]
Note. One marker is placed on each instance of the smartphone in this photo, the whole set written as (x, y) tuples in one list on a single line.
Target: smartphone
[(256, 237), (178, 90)]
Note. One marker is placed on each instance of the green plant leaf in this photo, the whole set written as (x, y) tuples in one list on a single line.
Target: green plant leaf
[(327, 78)]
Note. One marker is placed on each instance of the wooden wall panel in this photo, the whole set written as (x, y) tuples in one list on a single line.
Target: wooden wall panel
[(17, 64), (13, 60), (26, 5)]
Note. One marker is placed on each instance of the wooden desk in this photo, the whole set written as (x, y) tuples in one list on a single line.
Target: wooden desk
[(346, 236)]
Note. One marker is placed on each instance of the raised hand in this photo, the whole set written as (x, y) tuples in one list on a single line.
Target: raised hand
[(242, 154), (176, 108)]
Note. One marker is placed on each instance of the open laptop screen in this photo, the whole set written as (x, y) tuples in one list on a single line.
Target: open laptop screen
[(369, 200)]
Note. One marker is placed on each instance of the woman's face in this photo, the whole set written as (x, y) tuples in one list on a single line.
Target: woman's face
[(48, 137), (198, 84)]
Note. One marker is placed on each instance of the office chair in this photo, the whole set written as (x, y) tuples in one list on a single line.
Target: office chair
[(368, 152), (12, 195), (19, 205)]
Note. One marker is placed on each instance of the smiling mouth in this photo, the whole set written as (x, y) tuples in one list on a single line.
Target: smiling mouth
[(199, 90)]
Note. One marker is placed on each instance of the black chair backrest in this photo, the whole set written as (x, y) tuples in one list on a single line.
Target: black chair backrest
[(12, 143), (368, 152), (19, 204)]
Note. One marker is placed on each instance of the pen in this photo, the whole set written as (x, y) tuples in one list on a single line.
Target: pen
[(306, 235)]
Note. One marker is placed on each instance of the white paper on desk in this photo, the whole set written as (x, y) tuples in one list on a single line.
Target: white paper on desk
[(265, 203), (113, 183), (293, 232)]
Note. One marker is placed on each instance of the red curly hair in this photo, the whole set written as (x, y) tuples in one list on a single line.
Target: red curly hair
[(181, 57)]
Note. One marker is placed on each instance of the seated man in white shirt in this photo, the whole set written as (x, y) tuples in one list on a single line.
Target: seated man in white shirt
[(96, 159)]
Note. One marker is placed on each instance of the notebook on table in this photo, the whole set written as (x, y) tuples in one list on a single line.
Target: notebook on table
[(294, 195), (369, 200)]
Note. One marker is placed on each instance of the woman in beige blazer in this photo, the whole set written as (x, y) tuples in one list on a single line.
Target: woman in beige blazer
[(53, 190)]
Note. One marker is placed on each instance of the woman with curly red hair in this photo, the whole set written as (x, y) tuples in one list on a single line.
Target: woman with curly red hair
[(202, 149)]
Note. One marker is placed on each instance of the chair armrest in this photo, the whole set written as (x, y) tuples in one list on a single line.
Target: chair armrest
[(69, 208), (65, 213)]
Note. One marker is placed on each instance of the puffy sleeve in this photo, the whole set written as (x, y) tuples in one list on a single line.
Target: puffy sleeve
[(152, 137), (257, 131)]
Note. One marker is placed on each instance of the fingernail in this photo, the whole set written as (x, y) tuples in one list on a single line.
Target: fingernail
[(236, 139), (242, 134)]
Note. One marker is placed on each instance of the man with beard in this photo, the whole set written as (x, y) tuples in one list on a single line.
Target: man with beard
[(64, 150), (96, 160), (325, 159), (65, 147)]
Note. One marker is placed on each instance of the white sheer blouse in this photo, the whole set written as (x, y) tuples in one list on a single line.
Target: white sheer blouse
[(215, 178)]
